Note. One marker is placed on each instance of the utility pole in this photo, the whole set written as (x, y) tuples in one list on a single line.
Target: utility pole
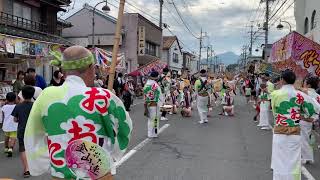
[(200, 50), (266, 27), (215, 63), (160, 25), (211, 55), (208, 67), (251, 39), (161, 6)]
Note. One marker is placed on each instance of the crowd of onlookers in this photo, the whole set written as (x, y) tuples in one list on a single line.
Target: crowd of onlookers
[(15, 111)]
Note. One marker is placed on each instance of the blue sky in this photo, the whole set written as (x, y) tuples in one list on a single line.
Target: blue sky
[(225, 21)]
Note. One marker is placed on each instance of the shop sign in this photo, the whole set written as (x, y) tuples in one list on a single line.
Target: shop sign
[(18, 47), (26, 47), (9, 45), (142, 40)]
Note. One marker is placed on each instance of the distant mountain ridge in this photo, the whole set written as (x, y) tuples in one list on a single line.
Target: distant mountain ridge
[(225, 58)]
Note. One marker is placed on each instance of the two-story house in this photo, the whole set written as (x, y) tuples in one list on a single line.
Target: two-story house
[(187, 60), (172, 53), (81, 33), (28, 30), (140, 40)]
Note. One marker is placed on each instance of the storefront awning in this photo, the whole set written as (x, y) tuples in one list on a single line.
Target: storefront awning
[(298, 53), (156, 65)]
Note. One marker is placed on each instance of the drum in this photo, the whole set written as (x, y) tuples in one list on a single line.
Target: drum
[(167, 108)]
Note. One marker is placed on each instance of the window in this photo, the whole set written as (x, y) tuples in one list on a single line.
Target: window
[(175, 58), (306, 26), (21, 10), (313, 20), (151, 49)]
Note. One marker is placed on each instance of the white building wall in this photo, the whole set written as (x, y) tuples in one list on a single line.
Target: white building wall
[(303, 10), (173, 65), (194, 66)]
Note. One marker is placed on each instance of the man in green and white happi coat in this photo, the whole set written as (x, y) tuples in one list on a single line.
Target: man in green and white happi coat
[(310, 84), (201, 88), (165, 84), (153, 101), (76, 130), (288, 105)]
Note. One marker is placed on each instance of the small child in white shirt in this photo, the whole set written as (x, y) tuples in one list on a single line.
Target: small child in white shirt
[(9, 126)]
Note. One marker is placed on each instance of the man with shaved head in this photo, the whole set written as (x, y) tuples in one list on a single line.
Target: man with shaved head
[(76, 130)]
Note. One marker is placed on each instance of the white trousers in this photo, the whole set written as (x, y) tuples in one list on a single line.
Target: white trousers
[(306, 149), (202, 105), (153, 121), (286, 157), (264, 115)]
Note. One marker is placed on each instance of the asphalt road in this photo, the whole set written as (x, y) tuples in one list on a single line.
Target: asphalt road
[(227, 148)]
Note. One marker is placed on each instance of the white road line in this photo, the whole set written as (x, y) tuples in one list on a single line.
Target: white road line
[(2, 142), (304, 170), (306, 173), (138, 147)]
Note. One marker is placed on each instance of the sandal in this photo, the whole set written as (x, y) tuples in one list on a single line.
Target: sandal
[(26, 174)]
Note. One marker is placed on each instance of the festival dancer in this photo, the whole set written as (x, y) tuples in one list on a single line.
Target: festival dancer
[(186, 103), (152, 94), (185, 99), (202, 96), (310, 84), (165, 84), (228, 103), (270, 85), (172, 99), (287, 104), (264, 108), (210, 90), (76, 120)]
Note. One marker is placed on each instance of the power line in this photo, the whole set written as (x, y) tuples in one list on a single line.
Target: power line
[(283, 12), (189, 13), (278, 9), (193, 51), (273, 10), (158, 20), (137, 8), (174, 17), (183, 21)]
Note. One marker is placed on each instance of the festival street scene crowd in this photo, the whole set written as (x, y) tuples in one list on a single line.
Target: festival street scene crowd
[(116, 90)]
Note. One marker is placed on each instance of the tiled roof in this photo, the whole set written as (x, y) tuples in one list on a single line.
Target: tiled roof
[(168, 41)]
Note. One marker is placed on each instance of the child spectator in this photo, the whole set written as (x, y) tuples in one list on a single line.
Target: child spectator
[(21, 113), (30, 81), (9, 126)]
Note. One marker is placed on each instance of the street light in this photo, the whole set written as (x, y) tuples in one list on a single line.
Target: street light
[(280, 26), (106, 9)]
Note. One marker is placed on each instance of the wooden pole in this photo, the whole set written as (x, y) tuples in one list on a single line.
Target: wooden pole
[(116, 45)]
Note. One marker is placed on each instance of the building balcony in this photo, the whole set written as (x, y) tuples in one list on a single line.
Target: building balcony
[(21, 27), (22, 23)]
